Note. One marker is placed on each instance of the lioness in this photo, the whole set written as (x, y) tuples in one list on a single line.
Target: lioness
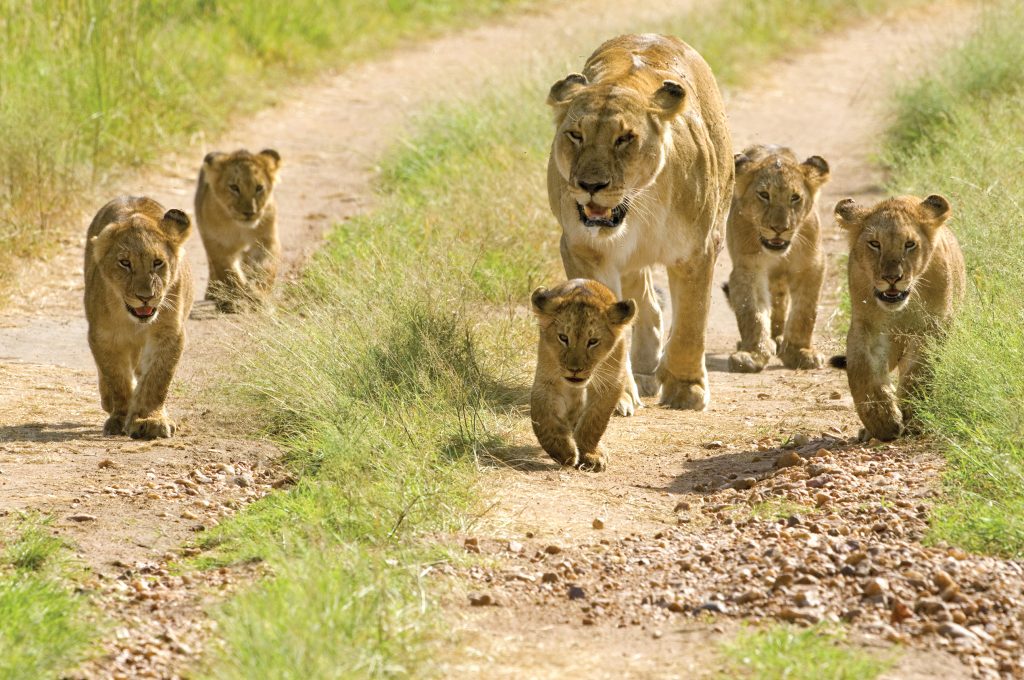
[(581, 369), (641, 173), (138, 293), (237, 219), (907, 279), (774, 240)]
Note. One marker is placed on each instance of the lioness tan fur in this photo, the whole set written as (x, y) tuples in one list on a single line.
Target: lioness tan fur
[(581, 369), (641, 173), (237, 220), (138, 293), (907, 279), (774, 240)]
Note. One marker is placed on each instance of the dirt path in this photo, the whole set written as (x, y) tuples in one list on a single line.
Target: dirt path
[(697, 518)]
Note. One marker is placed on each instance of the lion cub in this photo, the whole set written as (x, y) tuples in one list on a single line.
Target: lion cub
[(774, 239), (237, 219), (581, 368), (907, 279), (138, 293)]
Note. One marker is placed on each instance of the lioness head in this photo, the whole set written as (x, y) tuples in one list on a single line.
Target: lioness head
[(139, 257), (242, 182), (580, 322), (776, 192), (892, 242), (609, 144)]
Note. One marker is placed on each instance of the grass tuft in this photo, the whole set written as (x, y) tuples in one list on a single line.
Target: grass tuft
[(789, 653)]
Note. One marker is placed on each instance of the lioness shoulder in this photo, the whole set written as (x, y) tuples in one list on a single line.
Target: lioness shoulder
[(581, 369), (237, 220), (138, 293), (906, 279)]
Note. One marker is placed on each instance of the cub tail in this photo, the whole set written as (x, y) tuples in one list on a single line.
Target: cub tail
[(838, 361)]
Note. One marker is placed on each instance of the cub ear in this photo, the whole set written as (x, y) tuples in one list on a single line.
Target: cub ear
[(540, 300), (848, 213), (213, 158), (742, 162), (816, 171), (935, 210), (668, 100), (101, 242), (622, 312), (565, 89), (272, 159), (176, 225)]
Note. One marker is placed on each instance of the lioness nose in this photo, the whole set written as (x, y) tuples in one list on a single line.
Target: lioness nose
[(892, 277), (592, 187)]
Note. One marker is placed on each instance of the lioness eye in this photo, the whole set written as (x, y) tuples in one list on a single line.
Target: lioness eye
[(875, 245), (127, 264), (763, 195), (574, 136), (795, 198), (592, 342), (910, 245), (234, 188), (259, 188), (157, 264), (563, 339), (625, 139)]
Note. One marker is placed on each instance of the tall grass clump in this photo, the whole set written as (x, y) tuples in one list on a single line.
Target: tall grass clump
[(90, 86), (959, 133), (789, 653)]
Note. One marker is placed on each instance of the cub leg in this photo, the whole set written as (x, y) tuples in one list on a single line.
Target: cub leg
[(602, 395), (867, 370), (645, 351), (260, 264), (147, 417), (751, 301), (227, 284), (797, 349), (778, 285), (551, 415), (115, 373), (911, 372), (683, 375)]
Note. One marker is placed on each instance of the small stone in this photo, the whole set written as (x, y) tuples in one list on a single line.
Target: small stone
[(287, 480), (681, 506), (106, 463), (713, 606), (748, 597), (188, 514), (598, 523), (676, 607), (855, 558), (801, 439), (82, 517), (549, 577), (807, 598), (943, 580), (788, 459), (576, 593), (200, 477), (743, 483), (515, 547), (471, 545), (955, 630), (835, 395), (876, 587), (587, 621), (482, 600), (552, 549), (716, 444), (821, 498), (241, 480), (782, 581), (900, 612)]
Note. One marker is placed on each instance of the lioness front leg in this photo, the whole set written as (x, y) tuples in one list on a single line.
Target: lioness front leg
[(797, 349), (683, 376), (751, 301), (147, 418), (873, 394), (645, 350), (115, 388)]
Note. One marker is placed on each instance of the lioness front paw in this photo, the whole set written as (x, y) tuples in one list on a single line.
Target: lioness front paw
[(595, 461), (114, 425), (647, 384), (694, 395), (151, 428), (747, 362), (803, 358)]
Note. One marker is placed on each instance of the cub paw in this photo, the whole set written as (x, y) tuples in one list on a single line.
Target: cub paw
[(803, 358), (151, 428), (114, 425), (228, 306), (594, 461), (694, 395), (747, 362), (647, 384), (629, 402)]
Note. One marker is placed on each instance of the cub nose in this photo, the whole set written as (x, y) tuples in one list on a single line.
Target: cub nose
[(592, 187), (892, 278), (248, 214), (144, 298)]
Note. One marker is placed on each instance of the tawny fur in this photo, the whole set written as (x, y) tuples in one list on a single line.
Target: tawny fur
[(643, 128), (237, 219), (581, 369), (134, 258), (899, 245), (774, 291)]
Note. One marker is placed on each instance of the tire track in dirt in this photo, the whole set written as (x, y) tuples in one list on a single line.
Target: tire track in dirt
[(828, 101)]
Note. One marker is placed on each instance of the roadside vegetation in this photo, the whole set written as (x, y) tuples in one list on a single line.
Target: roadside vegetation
[(396, 367), (43, 627), (789, 653), (959, 133), (88, 88)]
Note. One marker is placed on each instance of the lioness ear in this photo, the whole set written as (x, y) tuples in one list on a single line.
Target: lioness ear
[(540, 300), (669, 99), (176, 225), (622, 312), (272, 159), (565, 89), (935, 210), (848, 212), (816, 171)]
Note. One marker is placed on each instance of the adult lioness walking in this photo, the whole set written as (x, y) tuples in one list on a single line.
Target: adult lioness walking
[(641, 173)]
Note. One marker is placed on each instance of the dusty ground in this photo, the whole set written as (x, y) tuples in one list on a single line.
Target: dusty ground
[(137, 504)]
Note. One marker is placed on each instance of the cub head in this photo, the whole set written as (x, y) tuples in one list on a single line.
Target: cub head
[(580, 322), (609, 144), (776, 192), (242, 182), (140, 257), (891, 243)]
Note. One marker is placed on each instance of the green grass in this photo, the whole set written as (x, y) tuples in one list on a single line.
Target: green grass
[(88, 87), (399, 363), (42, 625), (790, 653), (959, 133)]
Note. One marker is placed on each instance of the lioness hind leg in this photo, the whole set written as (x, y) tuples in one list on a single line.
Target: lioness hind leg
[(647, 332)]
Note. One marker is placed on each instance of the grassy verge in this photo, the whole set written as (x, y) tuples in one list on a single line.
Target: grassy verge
[(42, 630), (87, 87), (959, 133), (789, 653), (401, 361)]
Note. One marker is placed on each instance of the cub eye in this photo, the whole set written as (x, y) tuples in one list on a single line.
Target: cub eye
[(593, 342), (234, 189), (127, 264), (625, 139), (874, 245), (259, 188), (157, 264), (563, 339), (576, 137), (795, 198), (910, 245), (763, 195)]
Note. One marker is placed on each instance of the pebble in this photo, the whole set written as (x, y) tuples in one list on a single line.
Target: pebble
[(788, 459), (576, 593), (744, 483), (241, 480), (955, 630), (801, 439), (876, 587), (82, 517), (598, 523), (552, 549), (471, 545), (549, 577), (106, 463), (482, 600), (716, 444)]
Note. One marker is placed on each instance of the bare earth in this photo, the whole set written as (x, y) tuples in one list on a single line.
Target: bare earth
[(138, 503)]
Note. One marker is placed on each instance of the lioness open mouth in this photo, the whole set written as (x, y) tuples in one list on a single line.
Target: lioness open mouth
[(892, 296), (774, 243), (594, 215), (141, 313)]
